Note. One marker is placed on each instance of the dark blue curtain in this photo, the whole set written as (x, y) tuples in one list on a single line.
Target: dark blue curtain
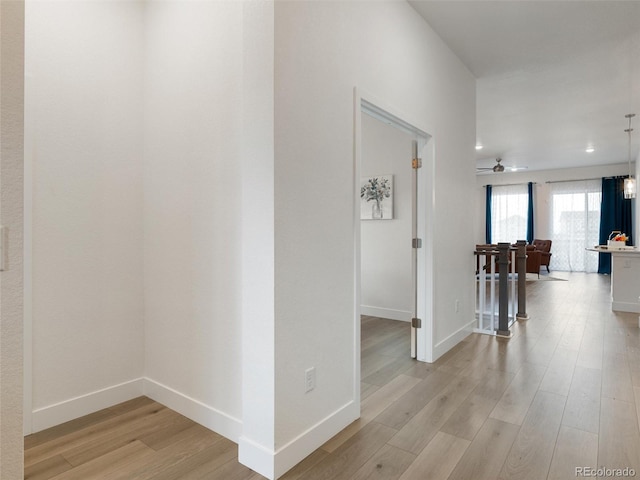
[(615, 214), (530, 214), (487, 230)]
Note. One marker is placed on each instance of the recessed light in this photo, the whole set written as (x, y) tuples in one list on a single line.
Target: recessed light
[(478, 147), (590, 149)]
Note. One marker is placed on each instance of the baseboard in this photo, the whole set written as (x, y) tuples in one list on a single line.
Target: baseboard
[(205, 415), (631, 307), (197, 411), (258, 458), (452, 340), (273, 465), (58, 413), (385, 313)]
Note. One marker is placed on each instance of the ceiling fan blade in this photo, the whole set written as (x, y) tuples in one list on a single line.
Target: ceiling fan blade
[(504, 168)]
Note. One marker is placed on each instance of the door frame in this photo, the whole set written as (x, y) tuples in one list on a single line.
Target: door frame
[(365, 102)]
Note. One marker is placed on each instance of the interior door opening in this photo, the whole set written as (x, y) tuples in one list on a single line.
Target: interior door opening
[(391, 258)]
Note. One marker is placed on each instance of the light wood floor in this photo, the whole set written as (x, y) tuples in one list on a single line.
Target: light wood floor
[(564, 392)]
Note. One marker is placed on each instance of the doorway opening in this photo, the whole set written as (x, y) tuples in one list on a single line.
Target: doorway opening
[(393, 164)]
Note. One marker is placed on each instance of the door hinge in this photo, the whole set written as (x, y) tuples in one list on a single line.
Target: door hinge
[(416, 323), (416, 163), (416, 243), (4, 232)]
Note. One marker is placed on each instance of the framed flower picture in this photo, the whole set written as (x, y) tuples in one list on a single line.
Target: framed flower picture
[(376, 197)]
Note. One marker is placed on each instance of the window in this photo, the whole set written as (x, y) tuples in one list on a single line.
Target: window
[(509, 205), (575, 216)]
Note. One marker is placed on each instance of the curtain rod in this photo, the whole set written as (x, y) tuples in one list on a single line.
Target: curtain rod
[(585, 179), (510, 184)]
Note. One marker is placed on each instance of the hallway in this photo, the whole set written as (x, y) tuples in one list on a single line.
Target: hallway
[(563, 393)]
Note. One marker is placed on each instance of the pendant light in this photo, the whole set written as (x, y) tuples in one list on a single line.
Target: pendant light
[(630, 186)]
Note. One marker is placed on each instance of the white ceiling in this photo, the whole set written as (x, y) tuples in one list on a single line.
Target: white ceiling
[(552, 77)]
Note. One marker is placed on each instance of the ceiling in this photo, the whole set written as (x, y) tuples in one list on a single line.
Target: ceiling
[(553, 77)]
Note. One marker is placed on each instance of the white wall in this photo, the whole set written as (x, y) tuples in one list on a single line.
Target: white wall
[(257, 443), (542, 206), (192, 209), (134, 143), (11, 216), (84, 147), (386, 286), (164, 239), (324, 50)]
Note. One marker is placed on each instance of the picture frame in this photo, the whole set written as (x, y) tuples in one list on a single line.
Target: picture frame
[(376, 197)]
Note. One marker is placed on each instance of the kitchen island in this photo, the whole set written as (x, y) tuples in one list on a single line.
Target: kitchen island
[(625, 277)]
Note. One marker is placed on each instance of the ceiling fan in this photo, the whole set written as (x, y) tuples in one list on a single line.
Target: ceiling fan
[(499, 168)]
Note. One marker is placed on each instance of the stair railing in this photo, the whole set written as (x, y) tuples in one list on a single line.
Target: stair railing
[(499, 266)]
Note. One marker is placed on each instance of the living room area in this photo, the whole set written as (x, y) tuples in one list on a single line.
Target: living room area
[(560, 209)]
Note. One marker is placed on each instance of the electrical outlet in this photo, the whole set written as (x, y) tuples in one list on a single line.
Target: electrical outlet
[(309, 379), (457, 306)]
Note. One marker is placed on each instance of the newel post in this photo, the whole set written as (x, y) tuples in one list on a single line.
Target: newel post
[(503, 295), (521, 257)]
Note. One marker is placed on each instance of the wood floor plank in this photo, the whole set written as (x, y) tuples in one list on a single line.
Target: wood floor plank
[(421, 370), (572, 337), (574, 449), (420, 430), (513, 353), (633, 355), (58, 432), (486, 454), (542, 352), (96, 446), (385, 374), (378, 402), (232, 470), (130, 405), (398, 413), (467, 356), (619, 438), (202, 465), (353, 454), (298, 472), (366, 390), (591, 351), (376, 332), (438, 459), (559, 374), (174, 430), (100, 468), (467, 420), (173, 460), (399, 345), (514, 403), (374, 362), (388, 463), (532, 451), (372, 406), (47, 468), (583, 403), (616, 377), (90, 433)]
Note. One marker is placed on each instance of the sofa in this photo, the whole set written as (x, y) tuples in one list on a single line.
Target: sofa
[(544, 247)]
